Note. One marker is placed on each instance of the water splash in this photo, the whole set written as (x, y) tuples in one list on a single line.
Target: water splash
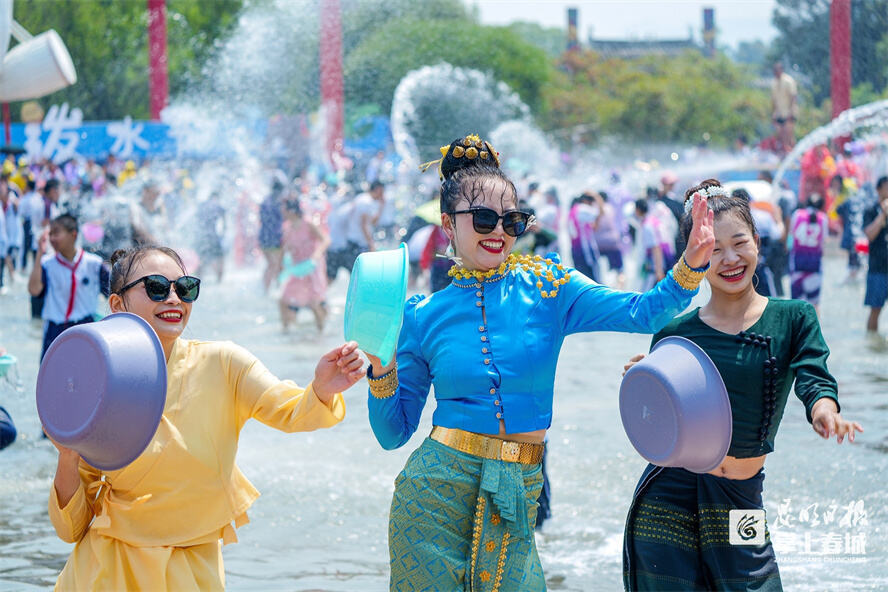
[(872, 115), (525, 148), (434, 104)]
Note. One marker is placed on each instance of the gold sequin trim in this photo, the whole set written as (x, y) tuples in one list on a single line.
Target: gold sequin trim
[(535, 264), (501, 563), (476, 536)]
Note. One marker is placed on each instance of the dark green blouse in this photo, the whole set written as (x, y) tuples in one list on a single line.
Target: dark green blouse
[(759, 365)]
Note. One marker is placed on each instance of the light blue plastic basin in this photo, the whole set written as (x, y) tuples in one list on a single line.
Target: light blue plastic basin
[(374, 307)]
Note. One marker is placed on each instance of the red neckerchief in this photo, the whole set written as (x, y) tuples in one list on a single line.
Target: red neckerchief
[(73, 269)]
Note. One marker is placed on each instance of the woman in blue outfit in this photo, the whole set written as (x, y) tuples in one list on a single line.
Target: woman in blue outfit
[(677, 532), (464, 507)]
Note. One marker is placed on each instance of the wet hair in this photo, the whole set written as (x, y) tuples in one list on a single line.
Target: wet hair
[(739, 206), (766, 175), (468, 183), (880, 182), (51, 184), (66, 221), (377, 185), (464, 177), (642, 206), (603, 195), (124, 260)]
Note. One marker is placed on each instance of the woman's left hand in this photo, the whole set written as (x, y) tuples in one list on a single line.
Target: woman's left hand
[(702, 238), (337, 371), (828, 422)]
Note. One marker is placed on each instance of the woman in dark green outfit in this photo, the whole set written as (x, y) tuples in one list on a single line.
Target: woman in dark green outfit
[(677, 530)]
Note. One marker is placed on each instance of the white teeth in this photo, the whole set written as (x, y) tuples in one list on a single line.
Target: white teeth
[(170, 315), (733, 273), (492, 244)]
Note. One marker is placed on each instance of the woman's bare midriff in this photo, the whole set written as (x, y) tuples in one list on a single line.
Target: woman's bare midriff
[(739, 468), (535, 437)]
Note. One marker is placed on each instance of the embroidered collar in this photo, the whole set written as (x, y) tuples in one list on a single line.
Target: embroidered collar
[(543, 269)]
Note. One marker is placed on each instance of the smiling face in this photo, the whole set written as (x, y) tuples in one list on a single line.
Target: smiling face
[(169, 317), (735, 256), (481, 251)]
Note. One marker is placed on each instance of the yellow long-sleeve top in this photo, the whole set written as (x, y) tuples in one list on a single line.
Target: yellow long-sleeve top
[(185, 489)]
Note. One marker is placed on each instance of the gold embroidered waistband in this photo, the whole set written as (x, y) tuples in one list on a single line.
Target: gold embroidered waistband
[(489, 447)]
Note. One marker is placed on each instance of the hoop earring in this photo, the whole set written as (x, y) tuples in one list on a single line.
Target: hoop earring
[(755, 282)]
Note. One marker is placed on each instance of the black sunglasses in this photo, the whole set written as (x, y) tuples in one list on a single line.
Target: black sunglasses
[(484, 220), (158, 287)]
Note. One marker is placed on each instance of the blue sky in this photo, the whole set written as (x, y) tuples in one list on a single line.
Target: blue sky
[(736, 20)]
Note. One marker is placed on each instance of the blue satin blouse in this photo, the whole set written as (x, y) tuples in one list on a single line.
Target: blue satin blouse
[(503, 368)]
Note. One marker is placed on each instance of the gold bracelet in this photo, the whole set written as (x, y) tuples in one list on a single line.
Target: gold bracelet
[(686, 277), (384, 386)]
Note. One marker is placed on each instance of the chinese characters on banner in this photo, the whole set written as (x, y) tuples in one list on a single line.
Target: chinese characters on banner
[(63, 135)]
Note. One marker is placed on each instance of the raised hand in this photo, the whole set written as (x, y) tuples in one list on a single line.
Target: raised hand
[(42, 243), (702, 238)]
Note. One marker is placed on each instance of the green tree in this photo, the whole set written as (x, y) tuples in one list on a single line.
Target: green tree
[(108, 42), (552, 40), (376, 66), (803, 41), (656, 99)]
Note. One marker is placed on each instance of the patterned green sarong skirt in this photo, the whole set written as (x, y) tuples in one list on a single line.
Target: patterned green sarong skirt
[(459, 522)]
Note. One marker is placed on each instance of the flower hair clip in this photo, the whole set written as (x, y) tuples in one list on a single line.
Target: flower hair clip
[(707, 192)]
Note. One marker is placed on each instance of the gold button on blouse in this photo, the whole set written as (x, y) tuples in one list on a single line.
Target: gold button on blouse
[(496, 402), (481, 328), (479, 303), (499, 415), (479, 293), (486, 360), (484, 338), (493, 391), (483, 350)]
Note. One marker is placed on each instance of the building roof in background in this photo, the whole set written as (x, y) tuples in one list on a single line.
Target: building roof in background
[(634, 48)]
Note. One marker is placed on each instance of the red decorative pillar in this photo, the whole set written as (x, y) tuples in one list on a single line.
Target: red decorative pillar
[(157, 57), (840, 55), (332, 88), (7, 124)]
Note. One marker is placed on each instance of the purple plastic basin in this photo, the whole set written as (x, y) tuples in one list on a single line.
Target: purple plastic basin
[(675, 407), (101, 389)]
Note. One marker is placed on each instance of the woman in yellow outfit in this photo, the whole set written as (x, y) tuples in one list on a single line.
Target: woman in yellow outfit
[(160, 522)]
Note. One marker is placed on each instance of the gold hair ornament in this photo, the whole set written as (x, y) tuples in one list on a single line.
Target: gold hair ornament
[(472, 147)]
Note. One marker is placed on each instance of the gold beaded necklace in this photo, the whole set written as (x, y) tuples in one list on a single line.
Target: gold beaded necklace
[(535, 264)]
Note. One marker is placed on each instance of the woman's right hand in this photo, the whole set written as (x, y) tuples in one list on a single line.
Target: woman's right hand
[(632, 361)]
